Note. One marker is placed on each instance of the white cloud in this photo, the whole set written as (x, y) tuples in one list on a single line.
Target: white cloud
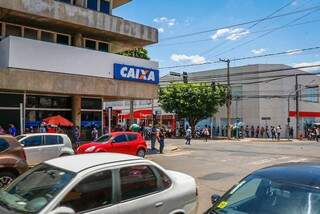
[(230, 34), (258, 51), (195, 59), (308, 64), (161, 30), (295, 3), (165, 20), (294, 51)]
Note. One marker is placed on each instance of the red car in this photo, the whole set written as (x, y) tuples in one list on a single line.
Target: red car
[(130, 143)]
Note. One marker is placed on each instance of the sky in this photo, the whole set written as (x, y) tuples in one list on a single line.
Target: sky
[(179, 17)]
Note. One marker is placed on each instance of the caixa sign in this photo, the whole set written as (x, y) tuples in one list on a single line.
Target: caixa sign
[(138, 74)]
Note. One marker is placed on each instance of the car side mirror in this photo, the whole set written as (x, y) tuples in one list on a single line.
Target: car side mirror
[(215, 198), (62, 210)]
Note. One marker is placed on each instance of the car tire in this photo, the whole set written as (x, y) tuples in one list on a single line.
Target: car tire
[(141, 153), (6, 178)]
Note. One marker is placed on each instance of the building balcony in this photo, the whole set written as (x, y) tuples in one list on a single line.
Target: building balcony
[(72, 19)]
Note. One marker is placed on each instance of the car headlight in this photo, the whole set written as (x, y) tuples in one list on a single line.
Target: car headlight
[(90, 149)]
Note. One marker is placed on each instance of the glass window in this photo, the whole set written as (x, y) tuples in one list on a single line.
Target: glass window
[(103, 138), (62, 39), (311, 95), (1, 29), (52, 140), (65, 1), (47, 36), (120, 139), (45, 102), (32, 141), (90, 44), (104, 6), (10, 100), (13, 30), (92, 4), (93, 192), (132, 137), (30, 33), (103, 47), (137, 181), (89, 103), (3, 145), (35, 189), (165, 181)]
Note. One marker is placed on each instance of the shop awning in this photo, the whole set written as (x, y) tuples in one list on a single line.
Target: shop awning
[(138, 114), (57, 120)]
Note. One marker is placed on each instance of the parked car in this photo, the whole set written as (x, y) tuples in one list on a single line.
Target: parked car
[(98, 184), (282, 189), (40, 147), (130, 143), (12, 160)]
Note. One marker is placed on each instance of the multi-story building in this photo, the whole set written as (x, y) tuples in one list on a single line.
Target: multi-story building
[(259, 96), (59, 57)]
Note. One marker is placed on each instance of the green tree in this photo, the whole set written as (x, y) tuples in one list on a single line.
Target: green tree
[(192, 101), (137, 53)]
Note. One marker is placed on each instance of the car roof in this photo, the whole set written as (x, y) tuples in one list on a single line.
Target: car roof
[(77, 163), (37, 134), (117, 133), (305, 174)]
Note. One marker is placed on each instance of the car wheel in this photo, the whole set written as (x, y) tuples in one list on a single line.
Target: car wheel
[(6, 178), (141, 153)]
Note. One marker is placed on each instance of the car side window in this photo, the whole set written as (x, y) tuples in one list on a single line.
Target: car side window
[(91, 193), (60, 140), (120, 139), (32, 141), (137, 181), (132, 137), (164, 180), (51, 140), (4, 145)]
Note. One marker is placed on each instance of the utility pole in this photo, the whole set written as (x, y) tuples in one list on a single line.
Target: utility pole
[(228, 98), (297, 107)]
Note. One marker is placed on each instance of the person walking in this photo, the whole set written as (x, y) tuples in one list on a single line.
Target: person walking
[(262, 130), (188, 135), (273, 132), (267, 132), (317, 134), (75, 137), (257, 131), (12, 130), (247, 131), (206, 133), (291, 132), (153, 137), (161, 136), (252, 131), (94, 134), (42, 128), (278, 132)]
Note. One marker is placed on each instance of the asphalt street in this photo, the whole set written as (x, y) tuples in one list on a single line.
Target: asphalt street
[(218, 165)]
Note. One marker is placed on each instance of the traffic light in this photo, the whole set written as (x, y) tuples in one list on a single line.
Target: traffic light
[(185, 77), (213, 85)]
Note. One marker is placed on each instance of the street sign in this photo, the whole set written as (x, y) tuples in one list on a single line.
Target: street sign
[(176, 74)]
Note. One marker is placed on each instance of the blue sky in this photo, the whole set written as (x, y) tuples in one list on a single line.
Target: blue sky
[(176, 17)]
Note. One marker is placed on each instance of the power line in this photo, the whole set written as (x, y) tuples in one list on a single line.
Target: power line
[(240, 24)]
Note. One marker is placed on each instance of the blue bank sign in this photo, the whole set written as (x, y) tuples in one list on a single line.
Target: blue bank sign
[(138, 74)]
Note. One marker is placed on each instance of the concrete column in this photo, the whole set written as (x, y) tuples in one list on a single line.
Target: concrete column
[(80, 3), (131, 112), (78, 40), (76, 110)]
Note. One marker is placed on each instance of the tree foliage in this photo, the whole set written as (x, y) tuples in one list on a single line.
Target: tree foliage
[(137, 53), (192, 101)]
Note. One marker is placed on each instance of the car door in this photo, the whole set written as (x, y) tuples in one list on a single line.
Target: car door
[(32, 146), (94, 194), (120, 144), (141, 191), (52, 146), (132, 143)]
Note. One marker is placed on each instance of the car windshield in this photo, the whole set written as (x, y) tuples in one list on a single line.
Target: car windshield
[(35, 189), (20, 137), (258, 195), (103, 139)]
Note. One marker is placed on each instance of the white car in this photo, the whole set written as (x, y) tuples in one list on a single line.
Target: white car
[(40, 147), (100, 183)]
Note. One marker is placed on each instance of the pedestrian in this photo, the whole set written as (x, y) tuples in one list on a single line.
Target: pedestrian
[(161, 136), (206, 133), (12, 130), (291, 132), (262, 132), (42, 128), (267, 132), (247, 131), (2, 131), (278, 132), (153, 137), (273, 132), (75, 137), (257, 131), (218, 131), (252, 131), (317, 134), (188, 135), (222, 131), (94, 134)]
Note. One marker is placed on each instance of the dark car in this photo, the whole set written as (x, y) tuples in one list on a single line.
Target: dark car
[(292, 188), (12, 160)]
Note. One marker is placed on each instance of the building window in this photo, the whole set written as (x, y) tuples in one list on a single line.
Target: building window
[(311, 94), (90, 44), (30, 33), (104, 6), (47, 36), (1, 29), (89, 103), (103, 47), (65, 1), (13, 30), (62, 39), (92, 4)]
